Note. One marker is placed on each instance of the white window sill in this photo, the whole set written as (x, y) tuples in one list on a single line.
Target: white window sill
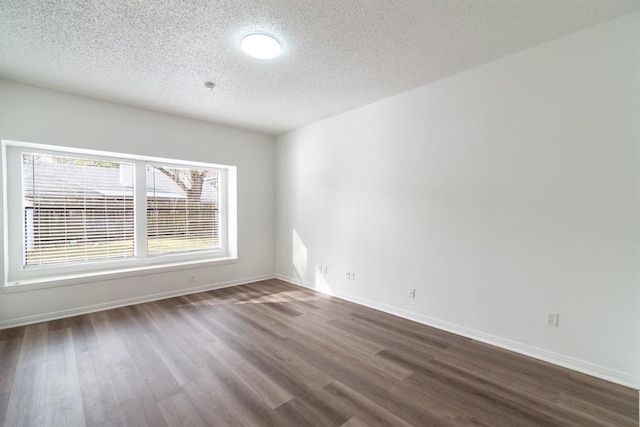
[(101, 276)]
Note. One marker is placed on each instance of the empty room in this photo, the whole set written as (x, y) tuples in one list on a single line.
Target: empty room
[(330, 213)]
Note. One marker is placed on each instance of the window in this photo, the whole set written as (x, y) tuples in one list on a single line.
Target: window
[(182, 209), (74, 212)]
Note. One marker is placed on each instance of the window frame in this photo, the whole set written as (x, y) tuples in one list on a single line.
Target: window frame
[(19, 277), (16, 221)]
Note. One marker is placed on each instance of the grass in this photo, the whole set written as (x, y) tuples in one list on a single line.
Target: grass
[(118, 249)]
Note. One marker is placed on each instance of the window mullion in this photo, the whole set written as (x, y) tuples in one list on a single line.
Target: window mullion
[(140, 209)]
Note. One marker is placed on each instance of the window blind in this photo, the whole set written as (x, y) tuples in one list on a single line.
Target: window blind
[(76, 209), (182, 209)]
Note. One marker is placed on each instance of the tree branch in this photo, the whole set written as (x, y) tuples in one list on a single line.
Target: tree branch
[(174, 177)]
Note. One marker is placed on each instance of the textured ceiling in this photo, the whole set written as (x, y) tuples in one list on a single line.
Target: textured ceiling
[(338, 54)]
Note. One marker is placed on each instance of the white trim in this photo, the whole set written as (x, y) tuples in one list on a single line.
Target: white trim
[(45, 317), (140, 205), (17, 278), (595, 370), (99, 154), (101, 276), (578, 365)]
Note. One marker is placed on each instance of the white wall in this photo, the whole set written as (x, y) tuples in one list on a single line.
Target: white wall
[(37, 115), (499, 193)]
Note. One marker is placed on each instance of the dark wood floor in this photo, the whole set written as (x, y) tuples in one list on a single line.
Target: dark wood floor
[(270, 353)]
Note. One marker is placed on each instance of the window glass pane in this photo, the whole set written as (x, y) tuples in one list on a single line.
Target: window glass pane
[(182, 209), (76, 209)]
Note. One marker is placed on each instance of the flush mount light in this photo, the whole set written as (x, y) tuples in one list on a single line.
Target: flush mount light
[(261, 45)]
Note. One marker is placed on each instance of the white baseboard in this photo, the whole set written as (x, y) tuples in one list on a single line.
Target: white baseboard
[(28, 320), (578, 365)]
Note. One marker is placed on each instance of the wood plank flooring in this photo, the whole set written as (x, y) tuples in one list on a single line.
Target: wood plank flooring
[(272, 354)]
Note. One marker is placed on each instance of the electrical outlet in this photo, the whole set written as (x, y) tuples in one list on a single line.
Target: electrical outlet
[(552, 319), (351, 275), (412, 293)]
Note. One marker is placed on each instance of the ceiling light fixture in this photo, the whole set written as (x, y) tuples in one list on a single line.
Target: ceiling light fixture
[(261, 45), (209, 85)]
